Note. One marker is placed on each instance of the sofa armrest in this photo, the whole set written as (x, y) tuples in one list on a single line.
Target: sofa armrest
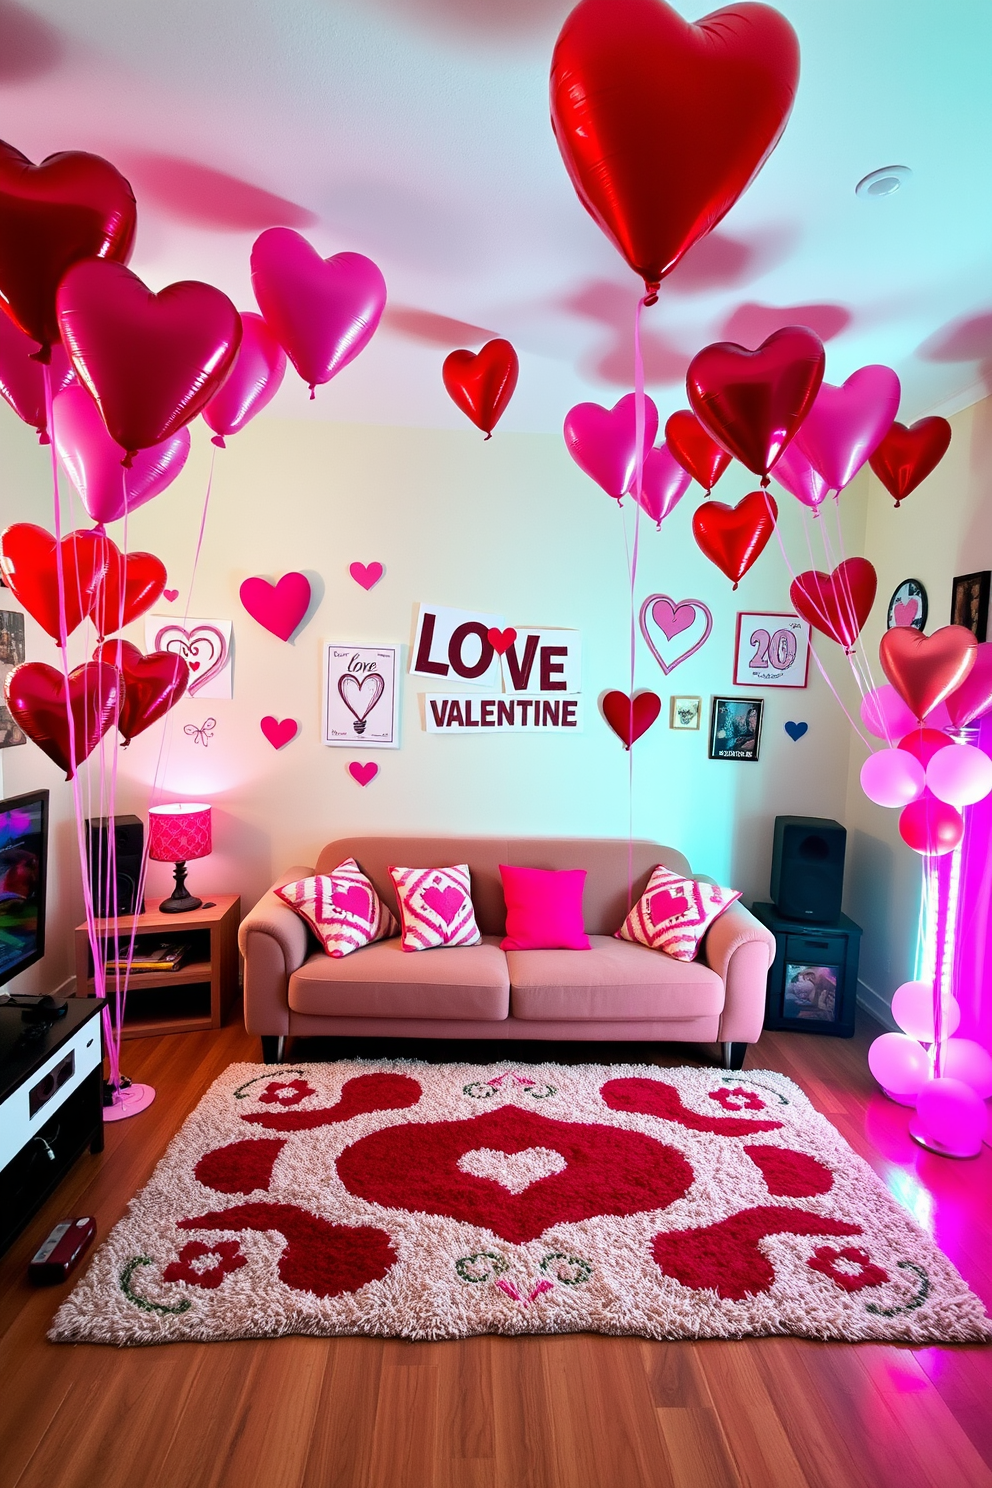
[(273, 940), (740, 949)]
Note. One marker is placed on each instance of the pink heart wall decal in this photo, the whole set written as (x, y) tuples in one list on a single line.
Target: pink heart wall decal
[(171, 595), (672, 617), (363, 773), (279, 731), (366, 574), (279, 607)]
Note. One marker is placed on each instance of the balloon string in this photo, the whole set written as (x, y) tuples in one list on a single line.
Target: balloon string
[(640, 422), (99, 973), (199, 540)]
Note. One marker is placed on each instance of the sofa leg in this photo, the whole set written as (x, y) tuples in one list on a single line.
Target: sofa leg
[(733, 1056), (274, 1048)]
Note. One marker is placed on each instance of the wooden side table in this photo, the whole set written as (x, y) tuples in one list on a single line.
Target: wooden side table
[(198, 995)]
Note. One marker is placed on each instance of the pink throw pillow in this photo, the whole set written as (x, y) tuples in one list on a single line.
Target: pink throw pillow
[(543, 909), (435, 907), (342, 909), (674, 913)]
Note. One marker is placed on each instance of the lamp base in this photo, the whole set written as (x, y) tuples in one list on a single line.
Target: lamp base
[(180, 901)]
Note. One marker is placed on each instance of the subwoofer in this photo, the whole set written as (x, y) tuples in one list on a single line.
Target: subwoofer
[(115, 892), (808, 868)]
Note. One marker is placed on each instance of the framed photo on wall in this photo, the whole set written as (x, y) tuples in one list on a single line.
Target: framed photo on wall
[(685, 712), (970, 602), (361, 696), (11, 655), (735, 728), (908, 605), (771, 651)]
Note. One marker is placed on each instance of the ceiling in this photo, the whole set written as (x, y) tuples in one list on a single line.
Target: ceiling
[(417, 131)]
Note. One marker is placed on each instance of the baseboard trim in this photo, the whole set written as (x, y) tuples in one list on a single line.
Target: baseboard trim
[(877, 1006)]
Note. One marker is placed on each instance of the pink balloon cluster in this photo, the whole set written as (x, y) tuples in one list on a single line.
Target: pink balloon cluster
[(930, 776), (951, 1115), (603, 443)]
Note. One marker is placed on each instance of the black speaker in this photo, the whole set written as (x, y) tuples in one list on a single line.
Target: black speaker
[(808, 868), (117, 893)]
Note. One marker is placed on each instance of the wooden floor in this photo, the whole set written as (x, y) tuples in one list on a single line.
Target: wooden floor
[(573, 1412)]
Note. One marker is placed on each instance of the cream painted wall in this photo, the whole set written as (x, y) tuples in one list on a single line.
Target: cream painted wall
[(944, 528)]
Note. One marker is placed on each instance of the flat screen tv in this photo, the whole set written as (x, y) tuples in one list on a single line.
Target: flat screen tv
[(23, 871)]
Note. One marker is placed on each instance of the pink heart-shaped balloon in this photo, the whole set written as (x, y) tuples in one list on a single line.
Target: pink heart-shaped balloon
[(847, 424), (602, 441), (322, 311), (366, 574), (253, 381), (363, 773), (973, 698), (663, 484), (795, 472), (22, 379), (151, 361), (93, 460), (279, 731), (672, 618), (279, 607)]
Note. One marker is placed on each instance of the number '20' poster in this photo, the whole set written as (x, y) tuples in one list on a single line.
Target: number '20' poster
[(772, 651)]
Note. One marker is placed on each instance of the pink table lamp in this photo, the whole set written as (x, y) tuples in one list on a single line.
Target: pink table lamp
[(177, 834)]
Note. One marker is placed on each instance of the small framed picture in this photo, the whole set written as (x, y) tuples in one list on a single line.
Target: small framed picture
[(735, 728), (11, 655), (970, 602), (908, 605), (771, 651), (361, 696), (810, 992), (684, 712)]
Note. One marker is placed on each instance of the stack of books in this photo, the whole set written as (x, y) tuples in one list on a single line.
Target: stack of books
[(164, 955)]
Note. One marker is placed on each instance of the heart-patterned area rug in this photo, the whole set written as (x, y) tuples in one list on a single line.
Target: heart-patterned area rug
[(405, 1199)]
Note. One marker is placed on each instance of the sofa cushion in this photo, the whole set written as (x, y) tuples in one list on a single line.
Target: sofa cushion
[(615, 979), (379, 981), (543, 909)]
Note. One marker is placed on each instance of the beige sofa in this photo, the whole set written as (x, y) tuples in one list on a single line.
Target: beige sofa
[(615, 991)]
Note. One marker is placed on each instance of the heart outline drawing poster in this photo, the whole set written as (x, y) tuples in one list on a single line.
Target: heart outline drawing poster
[(361, 696), (207, 647)]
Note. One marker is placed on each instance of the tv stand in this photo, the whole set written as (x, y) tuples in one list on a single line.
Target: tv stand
[(51, 1105)]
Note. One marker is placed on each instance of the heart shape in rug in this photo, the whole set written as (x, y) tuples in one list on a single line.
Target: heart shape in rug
[(363, 773), (514, 1171), (734, 537), (926, 669), (795, 731), (279, 732), (366, 574), (203, 648), (672, 618), (630, 722), (279, 607)]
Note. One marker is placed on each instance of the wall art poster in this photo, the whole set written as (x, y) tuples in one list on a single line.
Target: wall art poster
[(361, 696), (207, 647), (545, 661), (735, 728), (970, 602), (454, 646), (468, 713), (11, 655), (684, 712), (771, 651)]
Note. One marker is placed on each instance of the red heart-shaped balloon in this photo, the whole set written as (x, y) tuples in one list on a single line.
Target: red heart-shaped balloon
[(753, 402), (973, 698), (733, 537), (30, 569), (695, 451), (70, 207), (630, 720), (662, 124), (36, 696), (152, 684), (482, 383), (906, 457), (151, 361), (837, 603), (131, 585), (926, 669)]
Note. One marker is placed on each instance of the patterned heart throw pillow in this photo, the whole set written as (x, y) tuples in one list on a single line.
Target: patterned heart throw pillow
[(342, 909), (435, 907), (674, 913)]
